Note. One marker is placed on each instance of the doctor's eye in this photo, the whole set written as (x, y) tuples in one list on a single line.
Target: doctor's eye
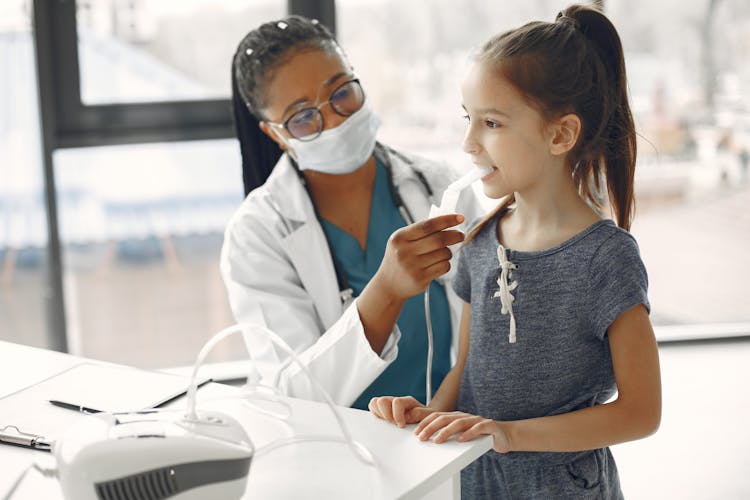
[(303, 117)]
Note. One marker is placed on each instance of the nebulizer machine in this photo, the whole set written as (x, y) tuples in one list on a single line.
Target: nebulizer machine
[(190, 453)]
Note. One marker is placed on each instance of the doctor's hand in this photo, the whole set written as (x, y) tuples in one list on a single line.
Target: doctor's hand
[(399, 410), (417, 254), (414, 256)]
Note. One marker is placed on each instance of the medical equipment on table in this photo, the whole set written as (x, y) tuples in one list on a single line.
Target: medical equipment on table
[(153, 455), (180, 454), (102, 457)]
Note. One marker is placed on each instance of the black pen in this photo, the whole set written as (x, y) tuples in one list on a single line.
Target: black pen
[(74, 407)]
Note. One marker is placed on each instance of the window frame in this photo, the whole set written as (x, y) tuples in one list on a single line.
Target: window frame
[(66, 122)]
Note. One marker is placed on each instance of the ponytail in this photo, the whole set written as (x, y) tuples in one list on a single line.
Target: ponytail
[(259, 152), (613, 142)]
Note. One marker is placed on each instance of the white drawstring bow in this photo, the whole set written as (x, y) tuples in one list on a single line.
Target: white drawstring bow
[(506, 298)]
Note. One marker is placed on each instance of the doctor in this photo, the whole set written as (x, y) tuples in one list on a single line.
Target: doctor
[(326, 249)]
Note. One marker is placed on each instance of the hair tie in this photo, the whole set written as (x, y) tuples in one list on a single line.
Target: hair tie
[(562, 18)]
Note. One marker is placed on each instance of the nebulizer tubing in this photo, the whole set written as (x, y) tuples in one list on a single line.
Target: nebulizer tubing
[(448, 204), (44, 471), (360, 451), (430, 346)]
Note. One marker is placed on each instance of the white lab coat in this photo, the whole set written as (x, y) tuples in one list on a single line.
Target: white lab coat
[(278, 272)]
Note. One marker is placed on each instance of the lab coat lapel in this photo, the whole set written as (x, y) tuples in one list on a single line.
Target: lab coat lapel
[(412, 191), (305, 242)]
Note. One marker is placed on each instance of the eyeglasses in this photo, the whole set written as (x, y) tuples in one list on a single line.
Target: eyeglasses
[(307, 124)]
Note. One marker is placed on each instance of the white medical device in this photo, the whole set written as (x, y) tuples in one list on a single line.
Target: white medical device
[(181, 454), (449, 201), (153, 455)]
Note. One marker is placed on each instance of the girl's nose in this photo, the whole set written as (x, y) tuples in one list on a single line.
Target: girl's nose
[(470, 145)]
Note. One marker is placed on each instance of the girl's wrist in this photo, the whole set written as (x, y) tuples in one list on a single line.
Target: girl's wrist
[(505, 435)]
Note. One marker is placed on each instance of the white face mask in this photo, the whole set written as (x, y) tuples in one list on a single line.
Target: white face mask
[(340, 150)]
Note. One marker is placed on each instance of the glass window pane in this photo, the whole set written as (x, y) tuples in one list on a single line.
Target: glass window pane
[(141, 228), (23, 224), (166, 50), (411, 59), (690, 89), (692, 184)]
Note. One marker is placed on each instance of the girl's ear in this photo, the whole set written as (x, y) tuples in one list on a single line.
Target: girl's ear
[(565, 132), (273, 134)]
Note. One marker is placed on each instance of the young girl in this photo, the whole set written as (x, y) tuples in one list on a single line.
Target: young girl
[(556, 315)]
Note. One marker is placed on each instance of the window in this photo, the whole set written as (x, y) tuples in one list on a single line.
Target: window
[(170, 50), (23, 224), (693, 184), (690, 89), (141, 227), (411, 57)]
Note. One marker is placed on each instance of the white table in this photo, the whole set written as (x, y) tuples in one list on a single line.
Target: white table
[(406, 468)]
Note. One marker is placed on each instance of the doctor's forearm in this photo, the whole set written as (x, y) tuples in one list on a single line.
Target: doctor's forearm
[(378, 311)]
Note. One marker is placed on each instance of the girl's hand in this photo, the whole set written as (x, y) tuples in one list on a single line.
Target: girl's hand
[(399, 410), (441, 426)]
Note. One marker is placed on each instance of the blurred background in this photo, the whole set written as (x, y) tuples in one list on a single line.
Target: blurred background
[(119, 171)]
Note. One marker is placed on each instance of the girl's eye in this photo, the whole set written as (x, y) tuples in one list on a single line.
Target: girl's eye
[(491, 124), (466, 117)]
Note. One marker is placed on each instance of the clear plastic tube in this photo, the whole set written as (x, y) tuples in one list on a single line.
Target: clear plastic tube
[(360, 451), (430, 346), (42, 470)]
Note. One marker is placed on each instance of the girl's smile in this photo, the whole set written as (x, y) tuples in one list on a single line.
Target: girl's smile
[(493, 173)]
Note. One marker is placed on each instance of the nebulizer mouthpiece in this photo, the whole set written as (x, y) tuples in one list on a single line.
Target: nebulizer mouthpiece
[(449, 200)]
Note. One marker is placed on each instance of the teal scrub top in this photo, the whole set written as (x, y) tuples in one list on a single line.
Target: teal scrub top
[(406, 374)]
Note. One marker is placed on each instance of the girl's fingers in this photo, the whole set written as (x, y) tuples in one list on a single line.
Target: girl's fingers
[(436, 424), (426, 421), (373, 407), (399, 410), (417, 414), (385, 408), (459, 425), (401, 407), (478, 429), (381, 408)]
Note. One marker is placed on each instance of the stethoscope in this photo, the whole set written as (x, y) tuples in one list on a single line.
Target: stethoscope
[(346, 293), (382, 153)]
